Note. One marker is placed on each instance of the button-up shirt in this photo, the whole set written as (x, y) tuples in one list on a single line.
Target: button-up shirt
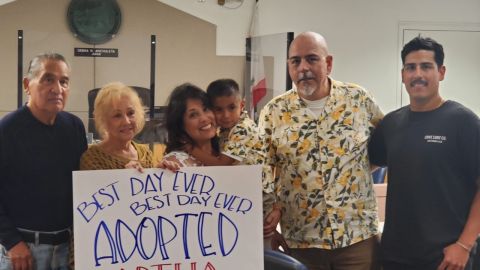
[(243, 143), (323, 179)]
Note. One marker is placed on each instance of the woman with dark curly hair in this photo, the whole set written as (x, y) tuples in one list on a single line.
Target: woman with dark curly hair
[(190, 124)]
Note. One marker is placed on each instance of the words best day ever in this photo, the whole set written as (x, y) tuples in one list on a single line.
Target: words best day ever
[(160, 189)]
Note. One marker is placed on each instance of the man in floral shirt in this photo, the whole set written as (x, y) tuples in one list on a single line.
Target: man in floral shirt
[(316, 136)]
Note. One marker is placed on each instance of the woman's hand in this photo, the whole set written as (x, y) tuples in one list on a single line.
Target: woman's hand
[(134, 164), (169, 165)]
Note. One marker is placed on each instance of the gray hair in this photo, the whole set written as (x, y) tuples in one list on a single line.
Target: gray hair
[(36, 62)]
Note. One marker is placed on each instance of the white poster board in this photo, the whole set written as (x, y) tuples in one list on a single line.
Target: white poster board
[(199, 218)]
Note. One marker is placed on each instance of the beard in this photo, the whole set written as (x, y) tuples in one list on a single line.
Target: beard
[(306, 90), (304, 87)]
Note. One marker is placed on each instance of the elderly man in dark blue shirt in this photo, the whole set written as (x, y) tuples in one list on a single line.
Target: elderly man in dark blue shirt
[(40, 146)]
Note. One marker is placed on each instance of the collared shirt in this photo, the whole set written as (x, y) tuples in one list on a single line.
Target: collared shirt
[(243, 143), (323, 180)]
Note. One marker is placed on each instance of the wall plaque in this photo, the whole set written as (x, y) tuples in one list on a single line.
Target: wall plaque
[(96, 52), (94, 21)]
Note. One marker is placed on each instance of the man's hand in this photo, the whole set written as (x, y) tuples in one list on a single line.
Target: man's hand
[(455, 257), (271, 221), (277, 241), (20, 257)]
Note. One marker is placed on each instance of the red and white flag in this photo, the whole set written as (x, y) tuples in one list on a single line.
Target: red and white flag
[(258, 81)]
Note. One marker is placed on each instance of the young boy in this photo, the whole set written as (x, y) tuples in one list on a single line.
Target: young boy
[(240, 142), (239, 139)]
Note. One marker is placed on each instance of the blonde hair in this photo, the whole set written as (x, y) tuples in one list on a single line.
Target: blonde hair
[(113, 92)]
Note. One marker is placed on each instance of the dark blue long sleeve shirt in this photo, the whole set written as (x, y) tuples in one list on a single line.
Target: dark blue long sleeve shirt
[(36, 164)]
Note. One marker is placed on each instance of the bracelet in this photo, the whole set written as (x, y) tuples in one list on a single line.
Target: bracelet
[(467, 248)]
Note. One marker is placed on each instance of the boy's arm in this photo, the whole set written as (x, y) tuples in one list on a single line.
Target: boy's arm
[(210, 160)]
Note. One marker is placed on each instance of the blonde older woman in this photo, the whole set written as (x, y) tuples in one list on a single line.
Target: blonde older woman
[(119, 116)]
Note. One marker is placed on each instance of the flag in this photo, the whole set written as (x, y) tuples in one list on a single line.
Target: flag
[(259, 82)]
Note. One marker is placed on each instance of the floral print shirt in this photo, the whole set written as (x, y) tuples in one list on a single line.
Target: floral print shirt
[(323, 180), (242, 142)]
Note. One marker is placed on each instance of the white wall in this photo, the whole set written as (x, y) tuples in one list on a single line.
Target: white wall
[(232, 20), (185, 50), (362, 34)]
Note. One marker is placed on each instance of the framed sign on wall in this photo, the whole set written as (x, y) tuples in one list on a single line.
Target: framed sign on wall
[(94, 21)]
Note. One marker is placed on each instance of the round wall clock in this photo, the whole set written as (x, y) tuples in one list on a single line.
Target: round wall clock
[(94, 21)]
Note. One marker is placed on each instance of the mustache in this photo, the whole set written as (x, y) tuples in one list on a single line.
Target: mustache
[(418, 81), (305, 76)]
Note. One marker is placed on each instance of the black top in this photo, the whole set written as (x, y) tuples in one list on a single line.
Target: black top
[(36, 164), (433, 164)]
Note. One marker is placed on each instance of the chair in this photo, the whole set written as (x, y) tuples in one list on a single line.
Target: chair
[(275, 260), (154, 131), (379, 175), (92, 94), (476, 257), (143, 93)]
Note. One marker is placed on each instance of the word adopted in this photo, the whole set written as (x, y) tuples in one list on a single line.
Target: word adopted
[(119, 242)]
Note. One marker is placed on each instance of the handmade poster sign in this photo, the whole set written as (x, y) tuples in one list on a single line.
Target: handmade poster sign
[(199, 218)]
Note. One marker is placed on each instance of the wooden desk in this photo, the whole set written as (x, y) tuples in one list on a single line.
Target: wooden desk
[(381, 193)]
